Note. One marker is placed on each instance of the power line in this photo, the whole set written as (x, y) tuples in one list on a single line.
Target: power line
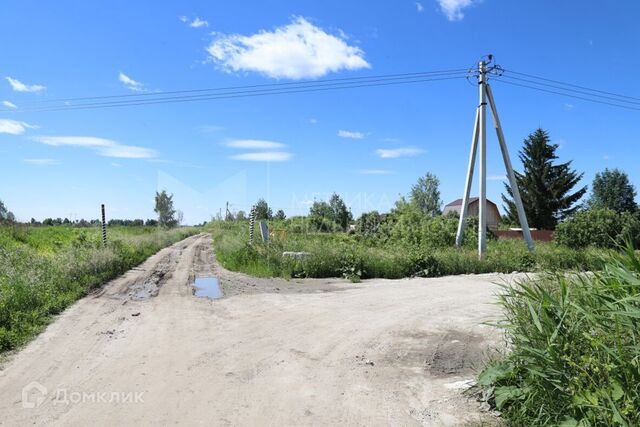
[(141, 97), (573, 85), (582, 92), (568, 95), (205, 94), (247, 93)]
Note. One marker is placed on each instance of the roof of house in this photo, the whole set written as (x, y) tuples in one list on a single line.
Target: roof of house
[(458, 202)]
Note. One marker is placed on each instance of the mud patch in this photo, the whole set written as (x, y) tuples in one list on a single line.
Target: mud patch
[(149, 285), (456, 353), (449, 353)]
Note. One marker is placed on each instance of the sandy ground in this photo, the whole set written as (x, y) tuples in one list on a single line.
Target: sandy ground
[(144, 350)]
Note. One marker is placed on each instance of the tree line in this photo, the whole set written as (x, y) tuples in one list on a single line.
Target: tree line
[(168, 216)]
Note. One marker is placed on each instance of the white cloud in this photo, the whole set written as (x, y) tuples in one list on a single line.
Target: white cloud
[(453, 8), (568, 106), (18, 86), (264, 156), (295, 51), (9, 104), (394, 153), (497, 178), (41, 162), (258, 144), (197, 23), (350, 134), (313, 121), (104, 147), (419, 7), (13, 127), (373, 172), (130, 83)]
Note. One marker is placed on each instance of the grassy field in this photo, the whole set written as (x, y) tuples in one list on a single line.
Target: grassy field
[(357, 257), (45, 269)]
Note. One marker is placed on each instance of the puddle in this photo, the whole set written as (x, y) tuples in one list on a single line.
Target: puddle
[(207, 287)]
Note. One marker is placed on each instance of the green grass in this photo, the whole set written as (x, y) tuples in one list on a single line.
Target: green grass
[(574, 343), (356, 257), (45, 269)]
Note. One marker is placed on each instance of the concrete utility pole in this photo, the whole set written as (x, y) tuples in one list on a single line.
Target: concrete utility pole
[(480, 133), (482, 215)]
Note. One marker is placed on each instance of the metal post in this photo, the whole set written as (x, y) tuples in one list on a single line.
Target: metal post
[(464, 209), (252, 222), (513, 184), (482, 216), (104, 227)]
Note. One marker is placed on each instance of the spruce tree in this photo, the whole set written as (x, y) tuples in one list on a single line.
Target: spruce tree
[(545, 187)]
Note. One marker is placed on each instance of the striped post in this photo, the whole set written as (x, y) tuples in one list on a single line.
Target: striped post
[(104, 227), (252, 223)]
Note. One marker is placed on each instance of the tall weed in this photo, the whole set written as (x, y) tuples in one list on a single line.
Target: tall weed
[(574, 343)]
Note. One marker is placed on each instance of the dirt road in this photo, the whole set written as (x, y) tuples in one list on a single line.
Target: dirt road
[(145, 351)]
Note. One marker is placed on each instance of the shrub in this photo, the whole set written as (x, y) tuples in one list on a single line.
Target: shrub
[(369, 223), (599, 227), (331, 216), (409, 226), (297, 224)]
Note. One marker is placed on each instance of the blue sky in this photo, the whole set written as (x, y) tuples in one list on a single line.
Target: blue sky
[(368, 144)]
